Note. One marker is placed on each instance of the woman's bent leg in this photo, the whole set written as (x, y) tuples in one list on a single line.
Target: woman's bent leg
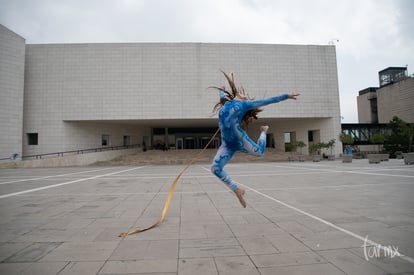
[(252, 148)]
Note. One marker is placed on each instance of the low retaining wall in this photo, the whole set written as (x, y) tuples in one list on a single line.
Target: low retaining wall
[(408, 158), (347, 158), (73, 160), (377, 158)]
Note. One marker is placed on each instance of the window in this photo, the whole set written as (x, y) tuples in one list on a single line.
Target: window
[(105, 140), (287, 137), (32, 139)]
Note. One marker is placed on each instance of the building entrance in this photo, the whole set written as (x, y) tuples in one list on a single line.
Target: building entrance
[(184, 138)]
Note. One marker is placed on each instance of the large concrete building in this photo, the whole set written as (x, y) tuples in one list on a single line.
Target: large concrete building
[(79, 96), (12, 57), (393, 97)]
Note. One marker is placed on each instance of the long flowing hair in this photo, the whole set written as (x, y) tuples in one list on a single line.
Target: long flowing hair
[(231, 95)]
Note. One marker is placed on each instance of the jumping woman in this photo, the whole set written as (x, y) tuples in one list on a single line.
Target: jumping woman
[(235, 111)]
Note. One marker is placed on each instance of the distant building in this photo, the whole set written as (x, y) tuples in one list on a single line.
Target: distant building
[(394, 97), (63, 97)]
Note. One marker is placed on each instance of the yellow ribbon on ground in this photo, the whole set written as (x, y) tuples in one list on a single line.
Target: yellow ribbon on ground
[(170, 193)]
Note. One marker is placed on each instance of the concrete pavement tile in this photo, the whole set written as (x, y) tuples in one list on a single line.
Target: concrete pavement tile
[(13, 268), (350, 219), (312, 269), (111, 222), (408, 227), (201, 217), (140, 266), (192, 231), (87, 234), (9, 249), (81, 251), (243, 230), (33, 252), (197, 266), (145, 250), (145, 273), (208, 242), (234, 219), (283, 259), (388, 263), (315, 236), (235, 265), (146, 221), (44, 268), (11, 235), (366, 227), (47, 235), (333, 243), (109, 234), (255, 219), (286, 243), (210, 248), (257, 245), (295, 228), (314, 225), (349, 262), (201, 231), (214, 231), (165, 231), (61, 223), (84, 268), (31, 268)]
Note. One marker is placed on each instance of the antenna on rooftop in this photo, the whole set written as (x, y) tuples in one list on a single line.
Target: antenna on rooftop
[(333, 41)]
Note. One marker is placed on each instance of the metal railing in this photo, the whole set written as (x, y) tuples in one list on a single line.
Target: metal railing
[(73, 152)]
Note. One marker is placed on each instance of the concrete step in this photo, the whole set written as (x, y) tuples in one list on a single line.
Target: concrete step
[(158, 157)]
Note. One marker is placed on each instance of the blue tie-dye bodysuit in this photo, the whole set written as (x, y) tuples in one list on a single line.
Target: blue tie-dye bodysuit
[(234, 138)]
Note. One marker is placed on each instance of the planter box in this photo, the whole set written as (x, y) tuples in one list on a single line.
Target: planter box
[(377, 158), (316, 158), (301, 158), (347, 158), (408, 158), (291, 158)]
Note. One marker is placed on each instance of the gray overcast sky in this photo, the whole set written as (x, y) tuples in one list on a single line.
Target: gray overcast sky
[(373, 34)]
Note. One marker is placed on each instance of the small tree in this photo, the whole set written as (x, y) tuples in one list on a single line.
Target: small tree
[(314, 148), (289, 147), (401, 137), (301, 145), (378, 139), (331, 144), (346, 139)]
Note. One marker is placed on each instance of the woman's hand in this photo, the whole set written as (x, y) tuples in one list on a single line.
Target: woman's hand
[(293, 95)]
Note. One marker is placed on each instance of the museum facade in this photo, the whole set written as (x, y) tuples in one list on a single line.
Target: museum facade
[(62, 97)]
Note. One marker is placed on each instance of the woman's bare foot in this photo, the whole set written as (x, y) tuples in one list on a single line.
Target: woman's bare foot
[(264, 128), (239, 193)]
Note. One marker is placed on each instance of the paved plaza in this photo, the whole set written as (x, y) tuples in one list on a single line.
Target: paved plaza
[(302, 218)]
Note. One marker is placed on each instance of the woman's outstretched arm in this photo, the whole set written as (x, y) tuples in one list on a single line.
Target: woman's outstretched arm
[(252, 104)]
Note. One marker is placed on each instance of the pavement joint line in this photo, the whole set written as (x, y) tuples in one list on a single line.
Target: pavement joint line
[(129, 193), (350, 233), (52, 176), (378, 174), (214, 192), (212, 176), (344, 171), (65, 183)]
